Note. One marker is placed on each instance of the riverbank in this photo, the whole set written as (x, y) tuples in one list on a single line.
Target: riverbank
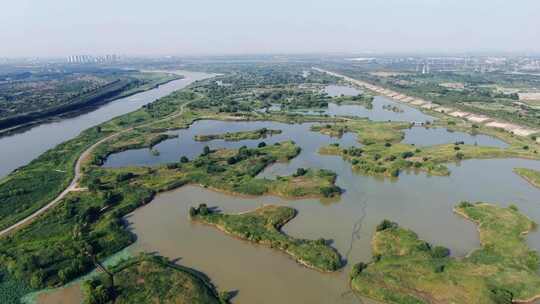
[(85, 106), (54, 170), (530, 175)]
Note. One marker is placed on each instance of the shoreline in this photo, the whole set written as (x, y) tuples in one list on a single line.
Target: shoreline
[(265, 243), (527, 179)]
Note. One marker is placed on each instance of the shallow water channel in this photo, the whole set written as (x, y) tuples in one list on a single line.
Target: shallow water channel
[(263, 275)]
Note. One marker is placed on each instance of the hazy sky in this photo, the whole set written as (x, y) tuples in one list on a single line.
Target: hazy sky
[(176, 27)]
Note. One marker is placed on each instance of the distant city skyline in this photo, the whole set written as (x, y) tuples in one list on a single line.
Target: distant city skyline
[(62, 28)]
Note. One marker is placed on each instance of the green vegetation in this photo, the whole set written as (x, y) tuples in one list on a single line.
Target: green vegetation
[(263, 226), (11, 289), (311, 182), (237, 136), (31, 187), (369, 132), (406, 269), (87, 225), (392, 108), (252, 87), (151, 279), (296, 99), (532, 176), (333, 131), (235, 171), (384, 154), (365, 100)]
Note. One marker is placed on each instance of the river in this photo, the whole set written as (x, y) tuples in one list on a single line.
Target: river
[(20, 148)]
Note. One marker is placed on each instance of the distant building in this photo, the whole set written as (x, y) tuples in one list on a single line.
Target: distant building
[(78, 59)]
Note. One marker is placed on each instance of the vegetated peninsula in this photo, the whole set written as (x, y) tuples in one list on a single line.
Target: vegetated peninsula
[(263, 226), (148, 279), (406, 269), (531, 175), (238, 136), (365, 100)]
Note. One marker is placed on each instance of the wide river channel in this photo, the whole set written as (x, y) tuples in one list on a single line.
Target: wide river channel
[(262, 275), (20, 148)]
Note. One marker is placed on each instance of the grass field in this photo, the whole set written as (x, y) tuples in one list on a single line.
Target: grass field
[(407, 270), (263, 226)]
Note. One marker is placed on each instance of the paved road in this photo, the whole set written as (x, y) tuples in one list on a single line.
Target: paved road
[(78, 173)]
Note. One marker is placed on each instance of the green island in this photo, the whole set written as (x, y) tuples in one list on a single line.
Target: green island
[(138, 280), (263, 226), (383, 153), (407, 270), (395, 109), (365, 100), (530, 175), (238, 136)]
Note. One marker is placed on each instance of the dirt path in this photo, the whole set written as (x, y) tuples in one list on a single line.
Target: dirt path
[(73, 186)]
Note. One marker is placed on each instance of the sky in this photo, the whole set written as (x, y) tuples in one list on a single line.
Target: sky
[(205, 27)]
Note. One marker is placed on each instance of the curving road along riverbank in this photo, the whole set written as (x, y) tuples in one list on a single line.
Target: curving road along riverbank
[(19, 149), (78, 173)]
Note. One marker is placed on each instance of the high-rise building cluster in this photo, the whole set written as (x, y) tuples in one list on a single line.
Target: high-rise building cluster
[(92, 59)]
